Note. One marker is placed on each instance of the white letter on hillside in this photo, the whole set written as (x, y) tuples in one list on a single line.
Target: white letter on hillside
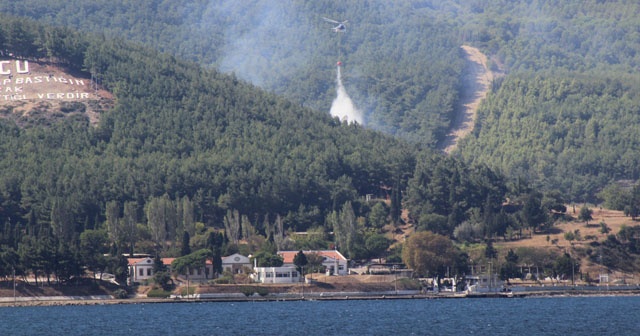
[(26, 67), (2, 70)]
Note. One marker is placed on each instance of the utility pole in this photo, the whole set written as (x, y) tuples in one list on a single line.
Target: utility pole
[(573, 267), (14, 287), (302, 267), (490, 276), (395, 282)]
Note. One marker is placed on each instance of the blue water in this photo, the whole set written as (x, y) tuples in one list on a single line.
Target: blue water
[(517, 316)]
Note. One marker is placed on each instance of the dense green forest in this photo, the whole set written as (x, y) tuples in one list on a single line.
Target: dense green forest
[(220, 123), (182, 146), (574, 135), (190, 152), (405, 82), (403, 69), (566, 115)]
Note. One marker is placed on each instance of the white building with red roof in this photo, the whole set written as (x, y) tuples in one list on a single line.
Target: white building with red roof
[(334, 262), (140, 269)]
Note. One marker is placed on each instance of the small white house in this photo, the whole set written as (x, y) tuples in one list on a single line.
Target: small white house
[(276, 275), (140, 269), (235, 263)]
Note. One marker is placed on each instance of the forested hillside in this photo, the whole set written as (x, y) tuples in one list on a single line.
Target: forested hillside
[(179, 137), (570, 69), (402, 60), (228, 129), (566, 115), (190, 152)]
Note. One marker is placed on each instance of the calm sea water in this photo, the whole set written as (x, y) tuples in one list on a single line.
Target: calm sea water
[(517, 316)]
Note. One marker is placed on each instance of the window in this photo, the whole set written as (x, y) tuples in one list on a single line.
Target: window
[(149, 271), (269, 275), (141, 272)]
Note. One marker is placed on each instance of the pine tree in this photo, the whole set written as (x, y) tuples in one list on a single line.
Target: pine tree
[(300, 260), (185, 248)]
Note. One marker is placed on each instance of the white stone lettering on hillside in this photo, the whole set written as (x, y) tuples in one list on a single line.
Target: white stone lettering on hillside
[(68, 95), (15, 89), (13, 97), (17, 82), (43, 79), (5, 67)]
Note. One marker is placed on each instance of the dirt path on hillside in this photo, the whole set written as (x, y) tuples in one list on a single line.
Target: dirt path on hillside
[(477, 80)]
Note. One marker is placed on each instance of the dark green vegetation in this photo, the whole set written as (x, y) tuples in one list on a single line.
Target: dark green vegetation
[(564, 116), (182, 150), (185, 152), (188, 149), (406, 83), (618, 251)]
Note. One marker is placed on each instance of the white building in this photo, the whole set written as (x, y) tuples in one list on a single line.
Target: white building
[(275, 275), (140, 269), (333, 261), (235, 263)]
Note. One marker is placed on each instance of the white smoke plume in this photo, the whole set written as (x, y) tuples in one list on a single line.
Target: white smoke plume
[(342, 107)]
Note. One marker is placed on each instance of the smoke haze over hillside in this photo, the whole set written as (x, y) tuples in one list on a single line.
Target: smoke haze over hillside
[(259, 48), (285, 47), (275, 44)]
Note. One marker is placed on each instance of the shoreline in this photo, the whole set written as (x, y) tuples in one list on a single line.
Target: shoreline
[(44, 302)]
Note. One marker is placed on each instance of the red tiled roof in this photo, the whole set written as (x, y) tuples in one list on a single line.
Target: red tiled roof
[(288, 256), (133, 261), (165, 261), (168, 261)]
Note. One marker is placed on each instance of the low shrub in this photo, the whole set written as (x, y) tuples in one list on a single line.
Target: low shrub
[(247, 290), (183, 291), (225, 280), (121, 294), (158, 293), (262, 291)]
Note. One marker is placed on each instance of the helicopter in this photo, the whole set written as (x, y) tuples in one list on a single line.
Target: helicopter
[(340, 28)]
